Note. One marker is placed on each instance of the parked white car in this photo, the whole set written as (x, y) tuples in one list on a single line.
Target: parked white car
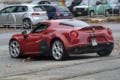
[(24, 15)]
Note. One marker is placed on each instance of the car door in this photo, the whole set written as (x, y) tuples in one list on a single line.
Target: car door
[(4, 13), (11, 16), (19, 14), (32, 42)]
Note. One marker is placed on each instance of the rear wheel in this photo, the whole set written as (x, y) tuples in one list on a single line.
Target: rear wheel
[(104, 52), (14, 49), (27, 24), (58, 50)]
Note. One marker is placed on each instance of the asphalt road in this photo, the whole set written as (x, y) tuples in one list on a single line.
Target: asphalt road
[(82, 67)]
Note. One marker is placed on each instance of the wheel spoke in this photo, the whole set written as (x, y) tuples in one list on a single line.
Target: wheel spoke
[(26, 23), (57, 50), (14, 49)]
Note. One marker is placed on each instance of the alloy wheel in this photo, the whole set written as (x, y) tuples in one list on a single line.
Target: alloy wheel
[(14, 49), (27, 24), (57, 50)]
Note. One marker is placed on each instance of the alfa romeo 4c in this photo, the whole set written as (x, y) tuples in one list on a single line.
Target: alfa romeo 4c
[(60, 38)]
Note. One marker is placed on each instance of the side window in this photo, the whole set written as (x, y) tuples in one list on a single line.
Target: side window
[(9, 9), (40, 28), (50, 9), (38, 8), (22, 9), (44, 2)]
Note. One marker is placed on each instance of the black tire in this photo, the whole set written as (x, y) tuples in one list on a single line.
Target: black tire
[(75, 14), (6, 26), (27, 24), (58, 51), (92, 14), (14, 49), (104, 52)]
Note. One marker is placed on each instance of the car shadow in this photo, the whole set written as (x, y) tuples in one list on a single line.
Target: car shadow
[(48, 58), (82, 57)]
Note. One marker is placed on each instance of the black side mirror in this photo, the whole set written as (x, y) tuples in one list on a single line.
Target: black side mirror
[(24, 33)]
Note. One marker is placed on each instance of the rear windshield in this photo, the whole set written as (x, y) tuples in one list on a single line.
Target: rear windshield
[(62, 9), (38, 8), (75, 23)]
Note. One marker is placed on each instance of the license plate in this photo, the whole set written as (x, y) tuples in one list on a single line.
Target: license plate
[(66, 14), (94, 42)]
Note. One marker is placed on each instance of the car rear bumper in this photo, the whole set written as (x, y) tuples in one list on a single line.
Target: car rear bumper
[(90, 48), (36, 20)]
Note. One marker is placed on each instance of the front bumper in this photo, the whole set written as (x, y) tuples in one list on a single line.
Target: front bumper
[(90, 48)]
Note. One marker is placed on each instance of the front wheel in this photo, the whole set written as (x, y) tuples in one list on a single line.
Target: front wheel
[(58, 50), (104, 52), (14, 49)]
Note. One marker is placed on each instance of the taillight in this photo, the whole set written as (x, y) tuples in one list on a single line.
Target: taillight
[(74, 34), (109, 31), (57, 14), (35, 14)]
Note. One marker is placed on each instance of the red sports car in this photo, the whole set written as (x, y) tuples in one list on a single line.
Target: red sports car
[(59, 38)]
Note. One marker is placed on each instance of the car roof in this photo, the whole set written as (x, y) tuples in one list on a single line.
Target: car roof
[(37, 1), (51, 5), (69, 22), (30, 4), (57, 20), (63, 20)]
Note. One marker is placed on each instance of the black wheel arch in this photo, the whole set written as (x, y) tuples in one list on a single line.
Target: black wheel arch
[(13, 39), (54, 39), (26, 18)]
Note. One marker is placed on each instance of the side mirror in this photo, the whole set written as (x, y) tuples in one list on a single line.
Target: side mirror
[(24, 33)]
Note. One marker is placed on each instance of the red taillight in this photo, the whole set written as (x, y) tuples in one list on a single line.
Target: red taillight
[(109, 31), (57, 14), (35, 14), (74, 34)]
